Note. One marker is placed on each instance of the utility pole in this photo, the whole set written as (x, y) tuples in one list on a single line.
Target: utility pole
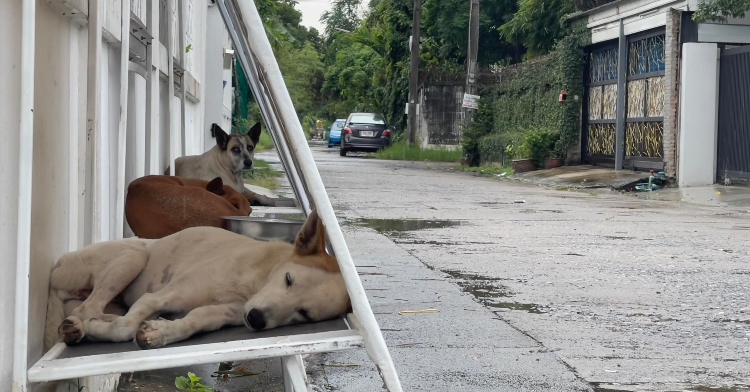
[(411, 116), (471, 57)]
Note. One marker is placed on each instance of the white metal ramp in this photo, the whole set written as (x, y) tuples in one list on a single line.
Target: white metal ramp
[(358, 330)]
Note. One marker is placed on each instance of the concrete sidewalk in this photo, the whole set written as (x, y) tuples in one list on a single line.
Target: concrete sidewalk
[(593, 177), (583, 177)]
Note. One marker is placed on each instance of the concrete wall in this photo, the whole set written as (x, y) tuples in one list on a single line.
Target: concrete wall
[(218, 82), (699, 91)]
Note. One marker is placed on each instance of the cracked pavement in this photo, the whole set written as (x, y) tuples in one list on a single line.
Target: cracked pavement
[(541, 289)]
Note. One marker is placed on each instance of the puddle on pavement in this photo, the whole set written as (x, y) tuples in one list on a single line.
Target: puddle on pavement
[(705, 388), (491, 294), (409, 241), (393, 226), (732, 196), (599, 387)]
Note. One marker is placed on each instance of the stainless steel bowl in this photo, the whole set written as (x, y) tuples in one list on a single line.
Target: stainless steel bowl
[(285, 202), (265, 229)]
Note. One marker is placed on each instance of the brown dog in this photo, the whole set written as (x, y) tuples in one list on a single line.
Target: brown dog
[(157, 206)]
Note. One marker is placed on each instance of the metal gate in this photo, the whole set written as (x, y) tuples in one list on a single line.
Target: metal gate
[(733, 150), (601, 108)]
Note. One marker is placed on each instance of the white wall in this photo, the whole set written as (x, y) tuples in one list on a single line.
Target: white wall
[(61, 201), (698, 114), (218, 96), (51, 182), (10, 110)]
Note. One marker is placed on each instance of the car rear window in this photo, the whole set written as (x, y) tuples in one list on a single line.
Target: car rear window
[(375, 119), (337, 125)]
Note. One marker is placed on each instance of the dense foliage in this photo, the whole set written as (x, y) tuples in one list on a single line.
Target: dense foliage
[(720, 10), (361, 59), (360, 62), (521, 117)]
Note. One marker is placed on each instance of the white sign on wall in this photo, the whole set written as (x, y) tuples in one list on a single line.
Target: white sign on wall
[(471, 101)]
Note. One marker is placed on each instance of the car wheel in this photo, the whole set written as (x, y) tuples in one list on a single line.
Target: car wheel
[(342, 152)]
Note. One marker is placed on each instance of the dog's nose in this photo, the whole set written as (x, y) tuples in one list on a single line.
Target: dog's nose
[(256, 319), (248, 163)]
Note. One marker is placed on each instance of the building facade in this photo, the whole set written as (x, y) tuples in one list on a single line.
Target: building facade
[(637, 114)]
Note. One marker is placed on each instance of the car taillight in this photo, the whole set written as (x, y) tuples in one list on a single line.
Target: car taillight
[(347, 131), (387, 133)]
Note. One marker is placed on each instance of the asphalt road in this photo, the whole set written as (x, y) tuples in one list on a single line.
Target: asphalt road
[(539, 289)]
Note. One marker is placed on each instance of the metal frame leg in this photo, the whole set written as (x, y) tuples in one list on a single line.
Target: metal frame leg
[(295, 379)]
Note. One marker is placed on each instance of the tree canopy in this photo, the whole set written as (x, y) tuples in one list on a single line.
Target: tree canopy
[(721, 10), (360, 61)]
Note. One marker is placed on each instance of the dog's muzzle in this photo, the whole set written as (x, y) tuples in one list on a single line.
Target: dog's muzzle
[(256, 319), (248, 164)]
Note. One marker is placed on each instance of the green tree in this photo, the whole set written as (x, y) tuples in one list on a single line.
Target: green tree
[(344, 15), (721, 10), (298, 52), (537, 25), (303, 74), (446, 31)]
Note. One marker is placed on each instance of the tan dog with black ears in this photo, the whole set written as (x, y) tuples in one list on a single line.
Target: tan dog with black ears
[(232, 155)]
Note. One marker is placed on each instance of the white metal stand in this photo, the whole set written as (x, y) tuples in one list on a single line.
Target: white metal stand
[(267, 84), (358, 330)]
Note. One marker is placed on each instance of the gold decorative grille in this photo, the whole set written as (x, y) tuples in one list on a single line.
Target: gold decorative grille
[(644, 139), (595, 103), (655, 97), (603, 66), (601, 139), (636, 98), (609, 110)]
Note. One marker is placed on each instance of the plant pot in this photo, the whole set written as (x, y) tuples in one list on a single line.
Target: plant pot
[(551, 163), (523, 165)]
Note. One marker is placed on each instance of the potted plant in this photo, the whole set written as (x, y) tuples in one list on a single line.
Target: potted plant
[(553, 159), (520, 164)]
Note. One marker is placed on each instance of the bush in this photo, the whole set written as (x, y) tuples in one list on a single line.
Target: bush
[(500, 147), (539, 144)]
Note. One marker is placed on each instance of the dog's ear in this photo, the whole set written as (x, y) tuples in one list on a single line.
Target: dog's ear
[(254, 133), (222, 139), (311, 239), (216, 186)]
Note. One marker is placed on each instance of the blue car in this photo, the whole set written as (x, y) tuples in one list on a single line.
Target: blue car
[(334, 135)]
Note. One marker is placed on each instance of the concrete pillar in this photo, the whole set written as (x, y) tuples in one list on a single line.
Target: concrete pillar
[(10, 111), (671, 73), (699, 98)]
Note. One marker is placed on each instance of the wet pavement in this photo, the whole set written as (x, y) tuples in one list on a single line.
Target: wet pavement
[(715, 195), (538, 288), (583, 177), (616, 292)]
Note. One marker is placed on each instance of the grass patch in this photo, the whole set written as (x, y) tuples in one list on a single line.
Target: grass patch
[(488, 170), (402, 152), (265, 143), (262, 175)]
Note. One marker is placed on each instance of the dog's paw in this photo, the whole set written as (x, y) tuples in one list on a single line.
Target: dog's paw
[(71, 331), (151, 334)]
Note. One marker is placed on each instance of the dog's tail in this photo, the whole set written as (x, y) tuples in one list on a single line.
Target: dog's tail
[(69, 274), (55, 316)]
